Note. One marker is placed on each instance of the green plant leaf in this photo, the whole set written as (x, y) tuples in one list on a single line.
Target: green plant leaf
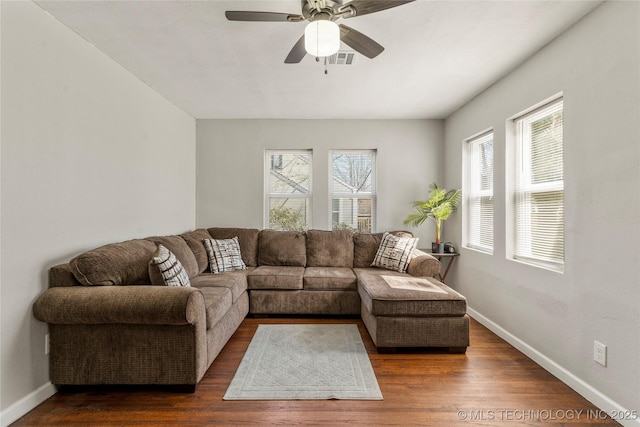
[(440, 205)]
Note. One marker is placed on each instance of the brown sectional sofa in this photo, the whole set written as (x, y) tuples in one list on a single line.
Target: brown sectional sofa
[(109, 325)]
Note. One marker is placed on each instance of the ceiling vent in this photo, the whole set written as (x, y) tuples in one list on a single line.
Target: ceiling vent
[(343, 57)]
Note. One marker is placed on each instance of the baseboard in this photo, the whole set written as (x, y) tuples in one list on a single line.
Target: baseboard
[(26, 404), (580, 386)]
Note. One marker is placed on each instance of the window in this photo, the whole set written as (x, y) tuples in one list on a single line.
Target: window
[(539, 187), (352, 190), (288, 190), (479, 192)]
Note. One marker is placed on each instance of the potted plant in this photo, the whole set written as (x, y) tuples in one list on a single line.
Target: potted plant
[(441, 204)]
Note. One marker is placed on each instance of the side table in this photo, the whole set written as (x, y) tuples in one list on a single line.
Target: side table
[(451, 257)]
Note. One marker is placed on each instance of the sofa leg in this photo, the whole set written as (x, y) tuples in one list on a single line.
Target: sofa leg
[(259, 316), (184, 388), (386, 350), (457, 350)]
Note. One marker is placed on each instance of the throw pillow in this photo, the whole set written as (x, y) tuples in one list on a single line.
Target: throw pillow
[(394, 253), (165, 269), (224, 255)]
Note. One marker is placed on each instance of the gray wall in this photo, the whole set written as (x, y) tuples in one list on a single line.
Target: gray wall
[(90, 155), (556, 317), (230, 166)]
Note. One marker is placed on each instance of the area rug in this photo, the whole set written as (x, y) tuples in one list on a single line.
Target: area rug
[(300, 362)]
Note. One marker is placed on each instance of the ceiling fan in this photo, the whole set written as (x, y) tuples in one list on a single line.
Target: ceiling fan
[(322, 36)]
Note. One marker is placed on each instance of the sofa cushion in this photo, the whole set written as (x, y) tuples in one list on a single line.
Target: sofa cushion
[(329, 278), (365, 246), (195, 241), (166, 269), (389, 293), (247, 238), (217, 302), (394, 253), (282, 248), (181, 250), (235, 281), (275, 277), (124, 263), (224, 255), (329, 248)]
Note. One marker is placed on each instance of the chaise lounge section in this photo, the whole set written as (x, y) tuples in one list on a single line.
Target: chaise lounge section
[(111, 323)]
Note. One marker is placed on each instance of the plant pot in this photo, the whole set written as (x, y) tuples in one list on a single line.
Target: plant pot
[(437, 248)]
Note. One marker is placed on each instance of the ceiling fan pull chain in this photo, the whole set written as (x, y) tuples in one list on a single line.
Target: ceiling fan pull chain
[(326, 71)]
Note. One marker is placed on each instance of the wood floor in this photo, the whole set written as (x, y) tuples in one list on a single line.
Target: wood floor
[(492, 384)]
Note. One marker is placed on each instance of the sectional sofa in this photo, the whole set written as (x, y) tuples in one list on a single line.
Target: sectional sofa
[(111, 320)]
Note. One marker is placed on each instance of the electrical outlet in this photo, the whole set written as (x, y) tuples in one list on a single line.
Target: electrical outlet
[(600, 353), (46, 344)]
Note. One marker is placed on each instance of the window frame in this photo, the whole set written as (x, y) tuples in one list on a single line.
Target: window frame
[(364, 195), (269, 196), (473, 174), (523, 186)]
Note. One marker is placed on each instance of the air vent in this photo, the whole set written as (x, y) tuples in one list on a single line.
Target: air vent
[(343, 57)]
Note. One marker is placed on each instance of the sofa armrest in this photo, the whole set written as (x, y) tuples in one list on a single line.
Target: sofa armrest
[(423, 265), (160, 305)]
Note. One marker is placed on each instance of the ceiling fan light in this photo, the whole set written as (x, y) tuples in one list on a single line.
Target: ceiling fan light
[(322, 38)]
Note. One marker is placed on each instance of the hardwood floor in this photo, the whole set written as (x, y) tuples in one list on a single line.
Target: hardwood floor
[(492, 384)]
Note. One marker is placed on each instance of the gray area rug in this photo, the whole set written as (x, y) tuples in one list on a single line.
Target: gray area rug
[(288, 362)]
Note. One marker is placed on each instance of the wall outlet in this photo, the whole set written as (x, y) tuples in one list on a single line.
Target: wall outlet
[(46, 344), (600, 353)]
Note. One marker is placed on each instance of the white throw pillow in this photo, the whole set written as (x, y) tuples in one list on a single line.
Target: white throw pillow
[(169, 267), (224, 255), (394, 253)]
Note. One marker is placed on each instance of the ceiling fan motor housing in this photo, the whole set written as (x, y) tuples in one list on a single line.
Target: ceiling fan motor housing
[(315, 10)]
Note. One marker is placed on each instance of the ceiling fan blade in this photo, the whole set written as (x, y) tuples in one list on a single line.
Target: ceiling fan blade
[(364, 7), (241, 15), (297, 52), (360, 42)]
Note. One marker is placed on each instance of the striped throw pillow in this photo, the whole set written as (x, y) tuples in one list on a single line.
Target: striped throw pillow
[(394, 253), (224, 255), (166, 269)]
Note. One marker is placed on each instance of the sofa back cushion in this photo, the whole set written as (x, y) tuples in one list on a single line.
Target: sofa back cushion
[(195, 240), (282, 248), (124, 263), (329, 248), (365, 247), (247, 238), (181, 250)]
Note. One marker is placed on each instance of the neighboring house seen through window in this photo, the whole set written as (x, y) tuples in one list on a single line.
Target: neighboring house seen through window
[(288, 189), (352, 190)]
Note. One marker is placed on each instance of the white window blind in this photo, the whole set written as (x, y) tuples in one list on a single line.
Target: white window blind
[(479, 192), (352, 190), (288, 189), (539, 195)]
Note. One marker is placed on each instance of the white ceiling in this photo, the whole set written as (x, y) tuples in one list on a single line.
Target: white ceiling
[(438, 54)]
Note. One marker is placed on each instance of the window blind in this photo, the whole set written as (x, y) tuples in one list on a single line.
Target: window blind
[(539, 196), (480, 193)]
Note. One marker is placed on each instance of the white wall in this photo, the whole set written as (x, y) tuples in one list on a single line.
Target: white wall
[(90, 155), (230, 165), (556, 317)]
